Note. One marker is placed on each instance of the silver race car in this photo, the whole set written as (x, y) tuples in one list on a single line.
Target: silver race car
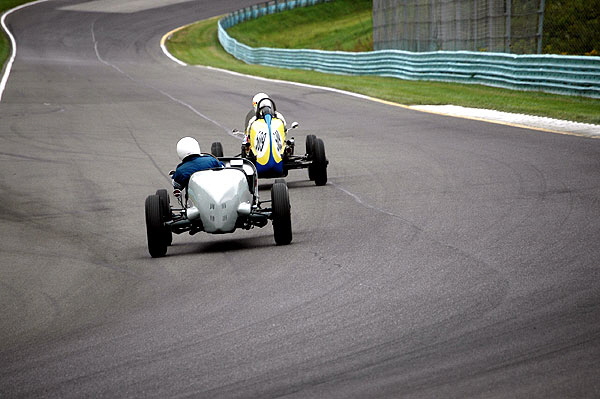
[(218, 201)]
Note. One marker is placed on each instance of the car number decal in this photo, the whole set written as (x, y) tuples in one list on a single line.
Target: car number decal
[(277, 140), (259, 142)]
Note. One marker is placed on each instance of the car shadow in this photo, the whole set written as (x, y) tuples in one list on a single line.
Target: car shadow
[(266, 186), (218, 246)]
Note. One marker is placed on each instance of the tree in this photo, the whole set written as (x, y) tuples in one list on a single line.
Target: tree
[(572, 27)]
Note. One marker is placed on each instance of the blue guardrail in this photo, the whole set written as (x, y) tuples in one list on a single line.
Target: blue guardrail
[(570, 75)]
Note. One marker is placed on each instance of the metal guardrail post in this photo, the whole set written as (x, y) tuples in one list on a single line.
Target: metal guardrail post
[(507, 43), (540, 32)]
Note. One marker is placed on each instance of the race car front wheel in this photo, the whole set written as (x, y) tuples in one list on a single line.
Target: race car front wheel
[(310, 149), (319, 163), (282, 221), (155, 227)]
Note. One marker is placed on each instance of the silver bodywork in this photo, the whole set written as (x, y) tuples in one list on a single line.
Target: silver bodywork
[(218, 197)]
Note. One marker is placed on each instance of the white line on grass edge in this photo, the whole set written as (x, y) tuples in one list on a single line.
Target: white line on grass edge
[(535, 123), (12, 42)]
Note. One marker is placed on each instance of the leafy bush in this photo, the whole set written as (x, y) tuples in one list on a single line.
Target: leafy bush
[(572, 27)]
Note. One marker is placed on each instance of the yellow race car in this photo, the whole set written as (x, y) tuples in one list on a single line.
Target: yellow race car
[(267, 145)]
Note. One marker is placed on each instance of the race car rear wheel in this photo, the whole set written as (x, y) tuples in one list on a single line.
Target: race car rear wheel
[(165, 207), (310, 145), (216, 149), (282, 220), (319, 163), (155, 227)]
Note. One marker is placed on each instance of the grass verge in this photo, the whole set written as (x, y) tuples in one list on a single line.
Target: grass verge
[(342, 25), (197, 44), (6, 5)]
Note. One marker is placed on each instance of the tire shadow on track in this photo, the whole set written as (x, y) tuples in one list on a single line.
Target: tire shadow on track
[(266, 186), (226, 245)]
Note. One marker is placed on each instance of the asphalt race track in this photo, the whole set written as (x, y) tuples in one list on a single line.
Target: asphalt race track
[(445, 258)]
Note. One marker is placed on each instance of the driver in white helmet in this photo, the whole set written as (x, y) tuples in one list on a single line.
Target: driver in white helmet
[(192, 161), (262, 99), (265, 103)]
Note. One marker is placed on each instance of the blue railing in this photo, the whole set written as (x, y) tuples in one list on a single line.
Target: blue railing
[(571, 75)]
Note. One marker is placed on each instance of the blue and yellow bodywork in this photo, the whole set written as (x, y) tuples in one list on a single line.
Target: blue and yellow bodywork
[(267, 141)]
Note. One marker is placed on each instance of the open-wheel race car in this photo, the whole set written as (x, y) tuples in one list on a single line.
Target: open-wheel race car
[(218, 201), (267, 145)]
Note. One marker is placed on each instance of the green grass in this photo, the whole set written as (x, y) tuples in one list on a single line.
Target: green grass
[(197, 44), (337, 25), (6, 5)]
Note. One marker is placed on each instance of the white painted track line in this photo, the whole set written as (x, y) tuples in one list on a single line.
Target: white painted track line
[(13, 43)]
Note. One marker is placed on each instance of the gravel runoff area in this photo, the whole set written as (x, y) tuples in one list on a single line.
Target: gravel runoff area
[(536, 122)]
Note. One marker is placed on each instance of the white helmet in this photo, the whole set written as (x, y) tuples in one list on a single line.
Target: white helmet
[(257, 97), (187, 146), (266, 107)]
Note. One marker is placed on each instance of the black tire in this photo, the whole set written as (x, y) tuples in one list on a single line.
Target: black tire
[(319, 163), (165, 208), (310, 146), (282, 218), (216, 149), (155, 227), (310, 140)]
